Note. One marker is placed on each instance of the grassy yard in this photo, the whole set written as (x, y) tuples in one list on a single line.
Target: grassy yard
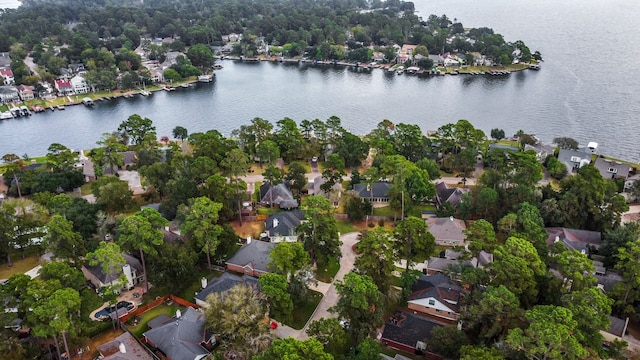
[(149, 315), (302, 313), (417, 210), (328, 272), (345, 227), (19, 266), (383, 211)]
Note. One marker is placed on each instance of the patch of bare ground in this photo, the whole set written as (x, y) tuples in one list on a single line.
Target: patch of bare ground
[(248, 228)]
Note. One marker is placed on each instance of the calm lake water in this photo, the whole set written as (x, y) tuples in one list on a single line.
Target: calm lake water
[(587, 89)]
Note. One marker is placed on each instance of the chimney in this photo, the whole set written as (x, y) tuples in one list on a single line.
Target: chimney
[(275, 223), (203, 282), (178, 314), (166, 228), (557, 239), (249, 240), (451, 218), (122, 348)]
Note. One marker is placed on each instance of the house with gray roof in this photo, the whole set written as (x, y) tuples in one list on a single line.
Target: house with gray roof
[(541, 150), (315, 188), (252, 258), (221, 284), (407, 332), (574, 239), (124, 347), (378, 193), (574, 159), (447, 231), (281, 227), (279, 196), (451, 195), (8, 94), (132, 270), (182, 337), (610, 169)]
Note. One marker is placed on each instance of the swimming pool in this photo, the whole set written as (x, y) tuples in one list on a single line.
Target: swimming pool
[(104, 313)]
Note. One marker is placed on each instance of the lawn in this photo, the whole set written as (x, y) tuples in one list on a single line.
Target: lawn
[(383, 211), (303, 312), (345, 227), (149, 315), (327, 273), (19, 266), (417, 210)]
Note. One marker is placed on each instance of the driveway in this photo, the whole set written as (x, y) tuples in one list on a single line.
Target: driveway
[(331, 297)]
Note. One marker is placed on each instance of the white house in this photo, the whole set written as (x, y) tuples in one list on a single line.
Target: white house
[(79, 84)]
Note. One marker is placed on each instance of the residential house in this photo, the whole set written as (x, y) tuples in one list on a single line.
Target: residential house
[(281, 227), (447, 231), (541, 150), (157, 76), (616, 330), (378, 57), (182, 337), (610, 169), (64, 87), (451, 195), (628, 184), (26, 92), (252, 258), (574, 159), (221, 284), (405, 53), (5, 60), (79, 84), (438, 60), (408, 332), (124, 347), (279, 196), (8, 94), (437, 265), (436, 296), (233, 37), (574, 239), (378, 193), (315, 188), (7, 76), (132, 270)]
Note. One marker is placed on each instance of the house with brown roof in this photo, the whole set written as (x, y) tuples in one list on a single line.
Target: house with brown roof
[(409, 333), (26, 92), (252, 258), (124, 347), (436, 296), (447, 231)]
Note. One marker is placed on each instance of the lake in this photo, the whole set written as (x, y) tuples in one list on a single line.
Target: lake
[(587, 88)]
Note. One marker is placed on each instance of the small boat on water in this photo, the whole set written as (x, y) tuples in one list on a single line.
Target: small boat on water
[(217, 67), (145, 93), (88, 101), (60, 107), (5, 115), (534, 67), (205, 78), (25, 111)]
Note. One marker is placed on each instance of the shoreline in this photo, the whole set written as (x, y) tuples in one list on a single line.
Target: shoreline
[(60, 102)]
